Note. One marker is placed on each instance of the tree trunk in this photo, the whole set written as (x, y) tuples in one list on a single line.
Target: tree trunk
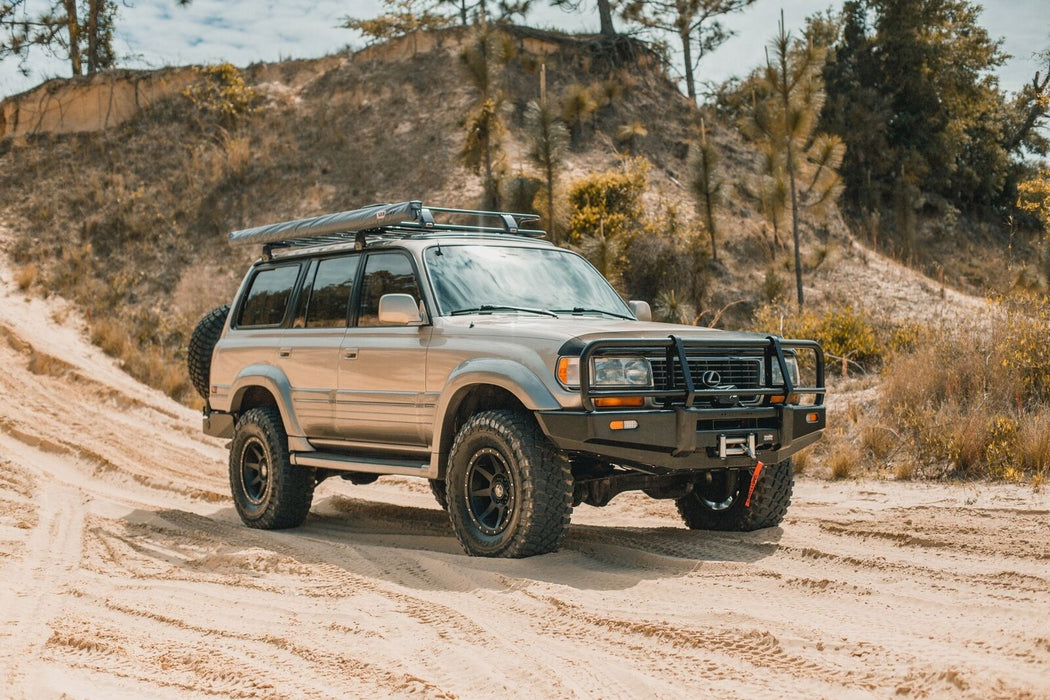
[(73, 27), (687, 59), (794, 224), (550, 202), (785, 95), (94, 8), (605, 16)]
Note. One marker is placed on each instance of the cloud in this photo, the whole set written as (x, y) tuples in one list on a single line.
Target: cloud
[(155, 33)]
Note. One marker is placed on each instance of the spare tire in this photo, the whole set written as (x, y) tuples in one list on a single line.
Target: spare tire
[(202, 343)]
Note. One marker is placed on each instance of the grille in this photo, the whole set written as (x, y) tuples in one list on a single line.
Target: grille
[(740, 372)]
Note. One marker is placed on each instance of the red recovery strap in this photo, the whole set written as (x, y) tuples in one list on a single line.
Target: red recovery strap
[(754, 482)]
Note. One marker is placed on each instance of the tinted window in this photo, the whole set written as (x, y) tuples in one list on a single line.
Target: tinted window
[(267, 298), (330, 299), (385, 273)]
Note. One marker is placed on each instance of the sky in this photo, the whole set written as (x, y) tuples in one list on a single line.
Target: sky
[(156, 33)]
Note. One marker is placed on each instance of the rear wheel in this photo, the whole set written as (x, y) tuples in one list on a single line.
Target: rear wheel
[(509, 489), (269, 492), (719, 504)]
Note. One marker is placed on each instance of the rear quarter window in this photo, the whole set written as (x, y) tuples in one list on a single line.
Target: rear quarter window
[(266, 301)]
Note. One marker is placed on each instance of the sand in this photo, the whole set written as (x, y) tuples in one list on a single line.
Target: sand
[(125, 572)]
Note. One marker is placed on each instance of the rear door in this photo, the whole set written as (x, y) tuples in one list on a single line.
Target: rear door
[(382, 369), (309, 352)]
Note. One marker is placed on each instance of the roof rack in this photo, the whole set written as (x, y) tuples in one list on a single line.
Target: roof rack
[(383, 221)]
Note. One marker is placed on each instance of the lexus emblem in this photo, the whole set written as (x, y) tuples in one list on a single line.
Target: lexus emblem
[(711, 379)]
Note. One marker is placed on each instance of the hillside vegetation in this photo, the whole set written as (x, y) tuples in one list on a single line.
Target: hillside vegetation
[(130, 222)]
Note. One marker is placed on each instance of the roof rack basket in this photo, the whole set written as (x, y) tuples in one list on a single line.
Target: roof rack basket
[(382, 220)]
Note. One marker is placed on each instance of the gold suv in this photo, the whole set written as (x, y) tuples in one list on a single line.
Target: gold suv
[(460, 347)]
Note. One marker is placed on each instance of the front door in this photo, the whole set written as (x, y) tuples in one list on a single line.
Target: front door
[(382, 368)]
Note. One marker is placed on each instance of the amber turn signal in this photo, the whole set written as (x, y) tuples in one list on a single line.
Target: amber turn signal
[(620, 402)]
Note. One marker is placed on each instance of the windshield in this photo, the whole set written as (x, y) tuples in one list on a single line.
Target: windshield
[(487, 278)]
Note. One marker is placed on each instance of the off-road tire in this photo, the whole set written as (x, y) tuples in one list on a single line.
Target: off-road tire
[(769, 503), (532, 476), (280, 498), (202, 343), (440, 491)]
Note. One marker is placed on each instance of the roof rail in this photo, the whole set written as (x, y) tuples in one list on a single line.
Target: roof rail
[(381, 220)]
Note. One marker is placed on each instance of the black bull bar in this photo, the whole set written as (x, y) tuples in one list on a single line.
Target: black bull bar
[(678, 434)]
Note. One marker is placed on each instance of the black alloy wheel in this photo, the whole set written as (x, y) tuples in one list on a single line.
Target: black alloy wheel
[(255, 471), (490, 491)]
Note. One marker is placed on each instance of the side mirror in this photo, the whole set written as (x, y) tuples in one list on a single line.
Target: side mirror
[(398, 310), (641, 310)]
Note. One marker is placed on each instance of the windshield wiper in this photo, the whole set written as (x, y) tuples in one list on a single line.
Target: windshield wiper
[(582, 310), (490, 308)]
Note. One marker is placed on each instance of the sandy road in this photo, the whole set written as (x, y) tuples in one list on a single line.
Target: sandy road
[(124, 572)]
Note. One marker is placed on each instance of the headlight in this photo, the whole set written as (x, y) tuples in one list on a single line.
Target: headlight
[(777, 377), (607, 372)]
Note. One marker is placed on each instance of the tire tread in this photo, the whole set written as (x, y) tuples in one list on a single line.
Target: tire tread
[(202, 344), (293, 486), (769, 504), (546, 487)]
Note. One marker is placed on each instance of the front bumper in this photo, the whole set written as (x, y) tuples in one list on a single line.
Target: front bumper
[(687, 438)]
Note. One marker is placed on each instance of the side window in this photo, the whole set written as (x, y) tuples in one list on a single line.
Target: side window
[(385, 273), (266, 302), (330, 299)]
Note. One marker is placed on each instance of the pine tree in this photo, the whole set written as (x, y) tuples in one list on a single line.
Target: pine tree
[(605, 13), (549, 141), (482, 151), (913, 93), (783, 122), (694, 23), (402, 18), (707, 183), (81, 33)]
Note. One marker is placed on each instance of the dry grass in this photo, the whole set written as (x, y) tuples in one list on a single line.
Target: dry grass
[(1033, 445), (880, 441), (111, 336), (801, 461), (27, 276), (150, 363), (844, 460), (43, 364), (904, 471), (978, 395)]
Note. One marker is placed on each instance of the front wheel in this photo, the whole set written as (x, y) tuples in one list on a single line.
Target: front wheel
[(509, 489), (719, 503), (270, 492)]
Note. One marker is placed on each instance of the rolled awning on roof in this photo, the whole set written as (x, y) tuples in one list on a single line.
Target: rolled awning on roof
[(364, 219)]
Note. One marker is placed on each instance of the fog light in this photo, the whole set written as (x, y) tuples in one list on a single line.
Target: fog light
[(623, 425), (812, 417)]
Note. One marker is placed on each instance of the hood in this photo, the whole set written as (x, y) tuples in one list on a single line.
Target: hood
[(576, 331)]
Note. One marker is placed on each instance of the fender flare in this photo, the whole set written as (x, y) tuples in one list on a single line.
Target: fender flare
[(508, 375), (273, 380)]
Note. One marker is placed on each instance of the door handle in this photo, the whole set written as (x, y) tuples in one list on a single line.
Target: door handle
[(285, 352), (350, 353)]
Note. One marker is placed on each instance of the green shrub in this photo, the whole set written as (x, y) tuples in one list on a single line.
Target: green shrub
[(846, 335), (222, 93)]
